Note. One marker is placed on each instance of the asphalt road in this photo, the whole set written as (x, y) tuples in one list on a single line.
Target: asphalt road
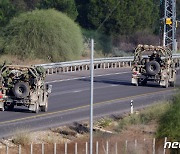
[(70, 99)]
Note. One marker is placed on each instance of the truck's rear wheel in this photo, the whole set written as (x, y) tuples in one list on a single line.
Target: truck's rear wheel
[(144, 82), (45, 107), (10, 107), (172, 84)]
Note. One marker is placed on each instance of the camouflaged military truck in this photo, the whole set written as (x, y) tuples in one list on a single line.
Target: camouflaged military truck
[(23, 86), (153, 63)]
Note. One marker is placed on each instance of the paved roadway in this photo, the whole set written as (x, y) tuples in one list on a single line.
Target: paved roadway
[(69, 101)]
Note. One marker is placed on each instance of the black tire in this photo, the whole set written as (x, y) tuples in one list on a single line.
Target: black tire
[(45, 107), (10, 107), (152, 68), (21, 90), (172, 84), (144, 82)]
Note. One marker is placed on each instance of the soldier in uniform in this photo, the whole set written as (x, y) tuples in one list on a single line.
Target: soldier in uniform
[(10, 80)]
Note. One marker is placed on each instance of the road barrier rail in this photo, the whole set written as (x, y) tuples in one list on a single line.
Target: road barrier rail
[(99, 63)]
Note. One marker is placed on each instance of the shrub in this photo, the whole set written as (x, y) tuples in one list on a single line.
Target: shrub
[(151, 113), (44, 34), (22, 137), (170, 122), (104, 122)]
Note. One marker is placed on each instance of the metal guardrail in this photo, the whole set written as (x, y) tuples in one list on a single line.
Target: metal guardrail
[(99, 63)]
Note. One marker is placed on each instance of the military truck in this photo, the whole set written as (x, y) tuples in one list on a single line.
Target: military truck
[(153, 63), (23, 86)]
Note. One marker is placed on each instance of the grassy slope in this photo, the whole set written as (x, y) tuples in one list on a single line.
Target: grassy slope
[(169, 125)]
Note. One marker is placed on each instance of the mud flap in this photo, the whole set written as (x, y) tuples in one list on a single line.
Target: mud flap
[(164, 83), (134, 81), (2, 105), (32, 107)]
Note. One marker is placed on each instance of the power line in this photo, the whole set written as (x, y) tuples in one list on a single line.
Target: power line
[(108, 16)]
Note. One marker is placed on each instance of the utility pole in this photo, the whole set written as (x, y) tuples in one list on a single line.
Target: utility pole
[(170, 23)]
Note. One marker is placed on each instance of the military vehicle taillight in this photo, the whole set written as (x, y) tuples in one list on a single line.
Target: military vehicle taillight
[(1, 95), (135, 73)]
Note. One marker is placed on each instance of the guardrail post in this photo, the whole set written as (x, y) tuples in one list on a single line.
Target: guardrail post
[(115, 66), (63, 69), (47, 71), (52, 71), (119, 64), (97, 66), (70, 68), (104, 65)]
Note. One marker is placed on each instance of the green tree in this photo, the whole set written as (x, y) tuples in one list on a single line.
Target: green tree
[(7, 11), (66, 6), (178, 9), (44, 34), (125, 16), (82, 6), (25, 5)]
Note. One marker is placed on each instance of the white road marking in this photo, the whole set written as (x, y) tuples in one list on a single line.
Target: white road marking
[(77, 91), (114, 85), (81, 90), (85, 77)]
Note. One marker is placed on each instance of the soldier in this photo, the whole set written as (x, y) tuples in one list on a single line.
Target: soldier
[(158, 58), (153, 56), (10, 80)]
